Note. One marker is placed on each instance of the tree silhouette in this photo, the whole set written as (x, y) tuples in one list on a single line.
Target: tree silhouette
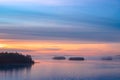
[(17, 58)]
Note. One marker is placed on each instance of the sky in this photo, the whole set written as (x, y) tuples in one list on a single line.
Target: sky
[(60, 27)]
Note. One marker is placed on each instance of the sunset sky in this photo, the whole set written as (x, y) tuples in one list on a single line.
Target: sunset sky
[(60, 27)]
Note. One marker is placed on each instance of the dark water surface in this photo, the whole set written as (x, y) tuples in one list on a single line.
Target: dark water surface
[(63, 70)]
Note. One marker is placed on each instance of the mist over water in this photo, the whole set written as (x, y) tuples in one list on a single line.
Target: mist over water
[(46, 69)]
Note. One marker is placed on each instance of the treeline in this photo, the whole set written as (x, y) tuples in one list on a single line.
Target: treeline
[(14, 58)]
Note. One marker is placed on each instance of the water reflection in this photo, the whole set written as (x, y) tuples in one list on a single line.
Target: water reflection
[(69, 70), (62, 70), (14, 71)]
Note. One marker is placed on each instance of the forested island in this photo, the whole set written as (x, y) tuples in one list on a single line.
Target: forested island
[(15, 58), (77, 58), (59, 58)]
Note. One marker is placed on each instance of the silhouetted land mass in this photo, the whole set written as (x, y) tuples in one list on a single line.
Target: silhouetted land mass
[(59, 58), (77, 58), (117, 56), (15, 58), (107, 58)]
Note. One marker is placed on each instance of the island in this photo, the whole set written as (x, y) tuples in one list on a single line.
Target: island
[(107, 58), (15, 58), (77, 58), (117, 57), (59, 58)]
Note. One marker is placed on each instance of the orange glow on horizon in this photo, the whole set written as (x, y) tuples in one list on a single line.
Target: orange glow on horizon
[(2, 45), (60, 47)]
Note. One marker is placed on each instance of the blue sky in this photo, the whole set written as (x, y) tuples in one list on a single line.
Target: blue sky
[(88, 20)]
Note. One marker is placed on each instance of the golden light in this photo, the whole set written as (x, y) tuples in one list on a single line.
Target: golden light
[(2, 45), (59, 47)]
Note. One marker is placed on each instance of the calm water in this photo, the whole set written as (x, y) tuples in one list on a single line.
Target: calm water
[(63, 70)]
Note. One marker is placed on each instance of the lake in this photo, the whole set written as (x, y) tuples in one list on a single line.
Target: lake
[(63, 70)]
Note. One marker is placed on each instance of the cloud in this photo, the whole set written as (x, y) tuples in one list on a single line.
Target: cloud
[(14, 50), (43, 2), (38, 2), (61, 23), (10, 16), (50, 49), (60, 34), (56, 2)]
